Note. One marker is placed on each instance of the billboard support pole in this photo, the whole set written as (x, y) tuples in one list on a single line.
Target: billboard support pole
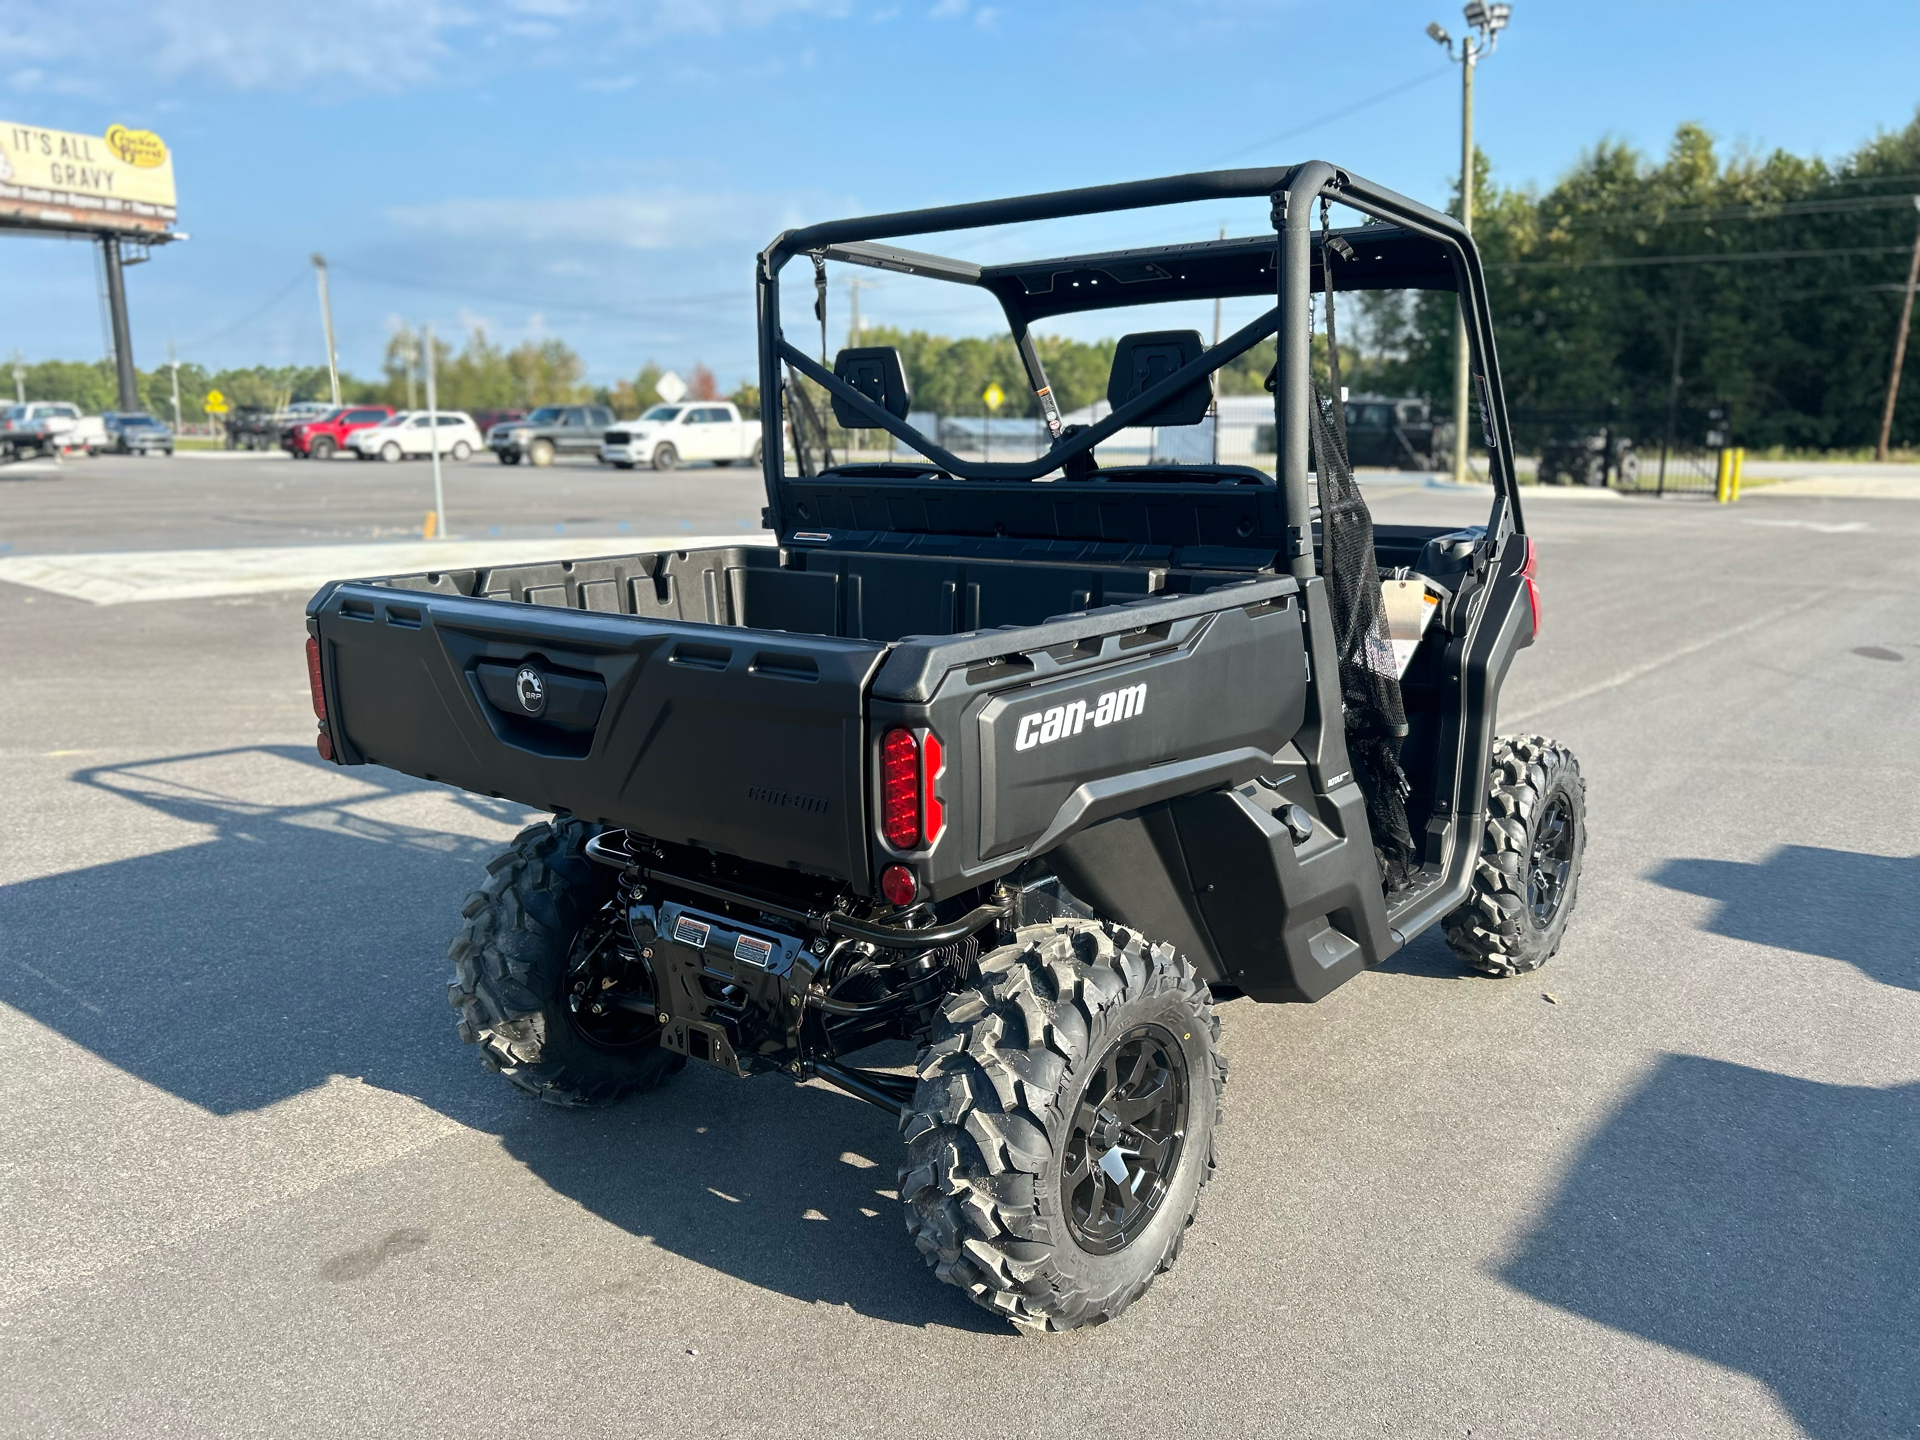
[(122, 333), (326, 320)]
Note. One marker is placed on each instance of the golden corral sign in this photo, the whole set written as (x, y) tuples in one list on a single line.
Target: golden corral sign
[(122, 180)]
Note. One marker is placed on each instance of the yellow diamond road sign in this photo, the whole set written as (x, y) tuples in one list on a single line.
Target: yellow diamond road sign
[(216, 403), (994, 396)]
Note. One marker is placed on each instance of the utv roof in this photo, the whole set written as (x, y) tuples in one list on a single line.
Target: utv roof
[(1405, 246), (1385, 257)]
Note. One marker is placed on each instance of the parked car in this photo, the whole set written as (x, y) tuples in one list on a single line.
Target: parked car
[(89, 433), (488, 419), (409, 435), (667, 435), (324, 436), (549, 431), (39, 427), (1588, 455), (1392, 434), (134, 434)]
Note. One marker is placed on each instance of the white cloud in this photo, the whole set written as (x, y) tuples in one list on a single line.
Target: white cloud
[(359, 44), (658, 220)]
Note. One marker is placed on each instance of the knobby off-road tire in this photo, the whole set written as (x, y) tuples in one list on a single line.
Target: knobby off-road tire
[(995, 1125), (1528, 873), (510, 973)]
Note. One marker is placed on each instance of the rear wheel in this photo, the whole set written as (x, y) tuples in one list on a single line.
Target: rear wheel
[(666, 458), (536, 936), (1528, 873), (759, 449), (461, 450), (1063, 1125)]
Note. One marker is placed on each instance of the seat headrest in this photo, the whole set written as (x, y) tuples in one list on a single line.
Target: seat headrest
[(878, 373), (1143, 361)]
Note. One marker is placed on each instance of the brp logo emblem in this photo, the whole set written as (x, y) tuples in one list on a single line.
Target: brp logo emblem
[(531, 686)]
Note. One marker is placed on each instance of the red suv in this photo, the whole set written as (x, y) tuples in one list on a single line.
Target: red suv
[(321, 439)]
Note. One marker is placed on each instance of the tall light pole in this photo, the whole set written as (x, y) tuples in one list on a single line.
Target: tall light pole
[(1899, 346), (1488, 21), (433, 441), (326, 321)]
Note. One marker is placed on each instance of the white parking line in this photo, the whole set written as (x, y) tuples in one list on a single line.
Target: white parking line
[(129, 576)]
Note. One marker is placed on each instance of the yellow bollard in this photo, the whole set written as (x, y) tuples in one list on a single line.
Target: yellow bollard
[(1723, 478), (1739, 464), (426, 530)]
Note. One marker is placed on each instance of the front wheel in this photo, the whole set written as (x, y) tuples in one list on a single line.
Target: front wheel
[(1528, 873), (540, 453), (390, 452), (1063, 1125), (540, 934), (322, 449), (666, 458)]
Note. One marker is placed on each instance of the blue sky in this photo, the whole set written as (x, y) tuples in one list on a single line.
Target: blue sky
[(605, 172)]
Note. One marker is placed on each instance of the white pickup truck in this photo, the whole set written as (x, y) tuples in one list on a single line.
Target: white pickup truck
[(667, 436)]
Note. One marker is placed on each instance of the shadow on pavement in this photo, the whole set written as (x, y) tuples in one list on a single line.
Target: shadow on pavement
[(1758, 1221), (1863, 909), (306, 940)]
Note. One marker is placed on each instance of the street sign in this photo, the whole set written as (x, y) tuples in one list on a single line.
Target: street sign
[(994, 395), (670, 388), (216, 403)]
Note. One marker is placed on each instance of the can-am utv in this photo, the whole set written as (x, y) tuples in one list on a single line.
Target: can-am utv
[(1029, 763)]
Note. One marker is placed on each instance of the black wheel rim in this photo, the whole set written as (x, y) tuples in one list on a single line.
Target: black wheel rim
[(609, 1028), (1551, 862), (1124, 1142)]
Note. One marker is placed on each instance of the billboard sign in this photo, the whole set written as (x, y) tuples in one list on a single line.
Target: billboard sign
[(58, 180)]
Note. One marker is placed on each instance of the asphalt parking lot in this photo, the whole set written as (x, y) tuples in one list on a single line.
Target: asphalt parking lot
[(251, 1184)]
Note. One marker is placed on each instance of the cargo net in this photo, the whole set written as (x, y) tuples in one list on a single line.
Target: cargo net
[(1369, 680)]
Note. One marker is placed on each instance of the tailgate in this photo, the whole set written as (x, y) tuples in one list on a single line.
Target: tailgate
[(743, 741)]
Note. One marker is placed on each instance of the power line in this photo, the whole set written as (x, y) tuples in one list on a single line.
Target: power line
[(1731, 257), (652, 310), (1760, 210), (1341, 114), (249, 318)]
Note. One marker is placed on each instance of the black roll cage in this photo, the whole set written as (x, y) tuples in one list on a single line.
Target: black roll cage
[(1413, 247)]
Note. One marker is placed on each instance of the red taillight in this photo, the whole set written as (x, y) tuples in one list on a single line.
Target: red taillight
[(896, 883), (313, 679), (932, 761), (911, 811), (900, 789), (1533, 589)]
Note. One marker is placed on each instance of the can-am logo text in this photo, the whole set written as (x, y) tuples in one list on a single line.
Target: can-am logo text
[(1043, 727)]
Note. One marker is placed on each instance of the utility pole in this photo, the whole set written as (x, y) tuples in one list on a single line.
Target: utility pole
[(854, 286), (173, 364), (1900, 344), (433, 440), (326, 322), (1216, 375), (19, 380), (1489, 21)]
